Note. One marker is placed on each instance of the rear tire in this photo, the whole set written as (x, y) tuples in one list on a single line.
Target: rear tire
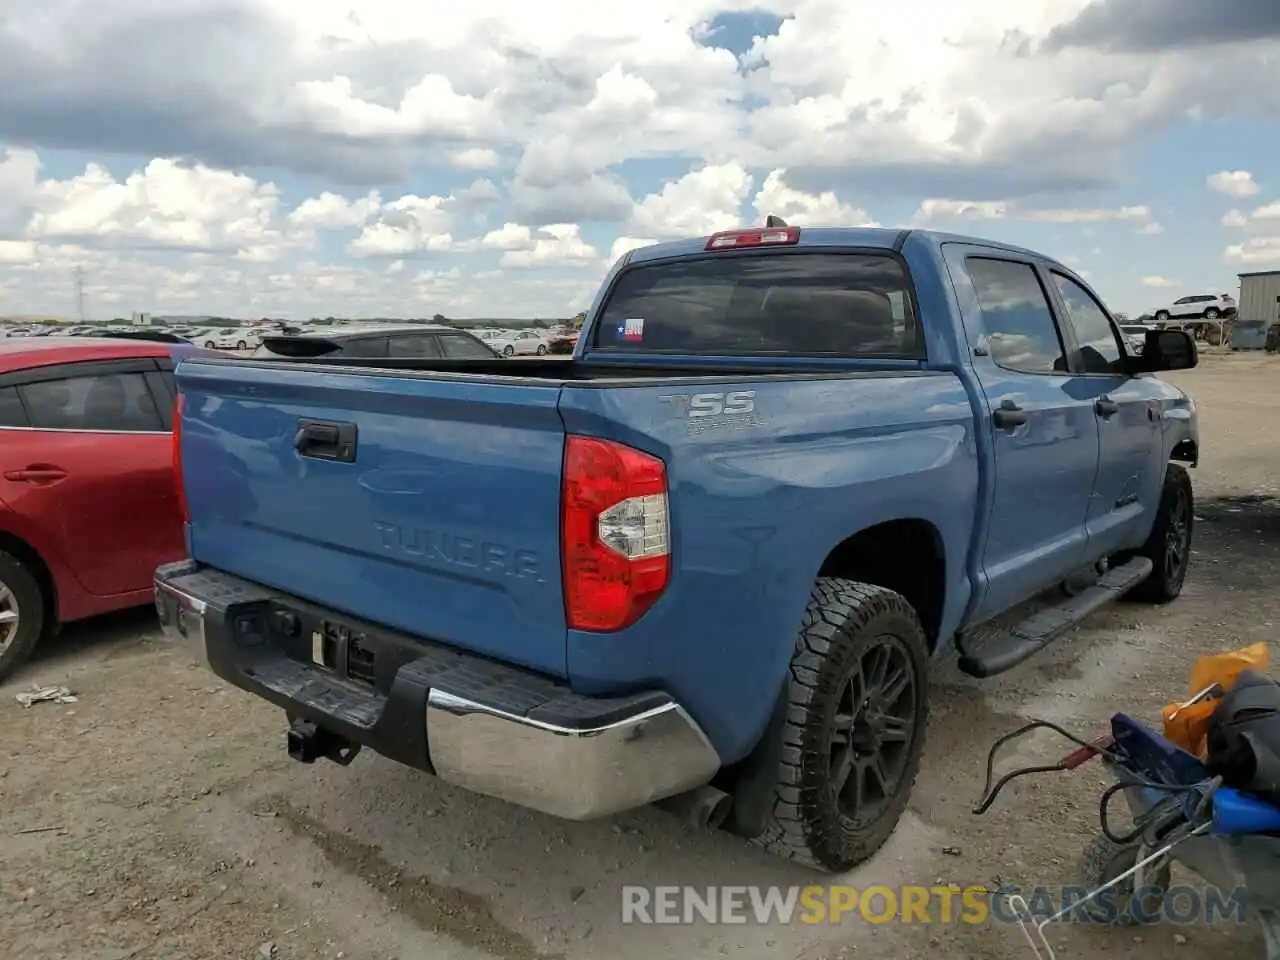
[(241, 345), (542, 350), (508, 350), (1169, 545), (20, 595), (210, 345), (854, 728), (1213, 313)]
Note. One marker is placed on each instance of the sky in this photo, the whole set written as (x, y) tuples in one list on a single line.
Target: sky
[(494, 158)]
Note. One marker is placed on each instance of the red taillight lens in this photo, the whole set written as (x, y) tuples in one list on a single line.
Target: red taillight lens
[(615, 546), (178, 406)]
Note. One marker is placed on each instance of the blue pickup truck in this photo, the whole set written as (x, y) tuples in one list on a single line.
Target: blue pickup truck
[(707, 559)]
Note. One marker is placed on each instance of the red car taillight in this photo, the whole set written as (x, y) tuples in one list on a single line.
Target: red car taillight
[(178, 406), (615, 542)]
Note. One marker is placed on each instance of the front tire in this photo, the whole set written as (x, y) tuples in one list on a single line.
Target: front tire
[(1162, 316), (1169, 545), (210, 345), (854, 729), (542, 350), (22, 604), (241, 345), (1122, 905), (508, 350)]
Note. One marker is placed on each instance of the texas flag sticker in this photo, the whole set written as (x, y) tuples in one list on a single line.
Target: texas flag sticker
[(631, 329)]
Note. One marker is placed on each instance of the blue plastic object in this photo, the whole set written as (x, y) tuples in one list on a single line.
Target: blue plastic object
[(1236, 814), (1154, 757)]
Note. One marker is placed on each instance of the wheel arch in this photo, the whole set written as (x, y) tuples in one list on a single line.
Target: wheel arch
[(904, 555), (20, 549)]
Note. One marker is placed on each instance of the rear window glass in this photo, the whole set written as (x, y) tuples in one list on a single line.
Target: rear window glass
[(845, 304)]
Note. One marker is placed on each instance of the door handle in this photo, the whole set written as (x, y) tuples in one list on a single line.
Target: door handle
[(326, 440), (1009, 415), (37, 473), (1106, 407)]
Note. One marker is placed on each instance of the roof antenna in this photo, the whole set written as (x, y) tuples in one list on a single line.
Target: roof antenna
[(771, 222)]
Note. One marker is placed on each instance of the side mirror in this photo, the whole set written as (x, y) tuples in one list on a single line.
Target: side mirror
[(1168, 350)]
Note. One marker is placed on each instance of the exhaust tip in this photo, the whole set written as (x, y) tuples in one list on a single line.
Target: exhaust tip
[(703, 807)]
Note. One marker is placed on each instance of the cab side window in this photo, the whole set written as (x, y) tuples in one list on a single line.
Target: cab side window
[(1019, 322), (1098, 347)]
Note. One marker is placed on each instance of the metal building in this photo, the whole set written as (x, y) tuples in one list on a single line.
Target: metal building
[(1257, 309)]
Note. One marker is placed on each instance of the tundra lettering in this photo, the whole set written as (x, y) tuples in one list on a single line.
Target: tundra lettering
[(458, 551)]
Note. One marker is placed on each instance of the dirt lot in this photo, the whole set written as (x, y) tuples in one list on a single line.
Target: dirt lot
[(158, 817)]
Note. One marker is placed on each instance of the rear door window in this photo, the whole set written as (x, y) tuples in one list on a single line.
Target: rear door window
[(458, 346), (365, 347), (414, 347), (117, 402), (841, 304), (11, 412)]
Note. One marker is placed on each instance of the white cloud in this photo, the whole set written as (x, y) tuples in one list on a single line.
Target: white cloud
[(703, 201), (329, 211), (17, 251), (937, 208), (19, 172), (407, 226), (803, 209), (476, 158), (1234, 218), (1234, 183), (165, 204), (557, 243), (1269, 212), (1154, 228), (1138, 213), (1256, 251), (1158, 282)]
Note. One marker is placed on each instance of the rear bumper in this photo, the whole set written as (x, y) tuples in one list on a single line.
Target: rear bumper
[(481, 725)]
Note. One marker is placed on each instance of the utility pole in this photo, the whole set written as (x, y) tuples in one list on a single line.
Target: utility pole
[(79, 273)]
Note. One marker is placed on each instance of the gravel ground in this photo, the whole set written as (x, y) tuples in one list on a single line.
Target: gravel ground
[(158, 817)]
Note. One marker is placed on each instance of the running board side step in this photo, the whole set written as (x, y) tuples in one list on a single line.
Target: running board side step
[(1038, 631)]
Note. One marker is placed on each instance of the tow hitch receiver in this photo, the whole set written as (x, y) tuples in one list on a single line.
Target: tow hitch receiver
[(309, 743)]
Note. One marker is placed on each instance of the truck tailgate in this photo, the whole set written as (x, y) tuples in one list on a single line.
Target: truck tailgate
[(444, 524)]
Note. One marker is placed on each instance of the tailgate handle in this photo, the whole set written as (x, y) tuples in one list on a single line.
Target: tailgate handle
[(326, 440)]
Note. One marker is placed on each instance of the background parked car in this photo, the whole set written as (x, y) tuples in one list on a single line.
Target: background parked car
[(1200, 306), (88, 503), (522, 343), (420, 340), (562, 342), (231, 338)]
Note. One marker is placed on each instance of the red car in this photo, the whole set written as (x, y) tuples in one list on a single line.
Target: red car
[(88, 505), (562, 342)]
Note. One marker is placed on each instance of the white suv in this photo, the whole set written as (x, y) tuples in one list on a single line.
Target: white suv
[(1202, 306)]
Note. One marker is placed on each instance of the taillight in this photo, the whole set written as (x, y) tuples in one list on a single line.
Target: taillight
[(765, 237), (179, 405), (615, 542)]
